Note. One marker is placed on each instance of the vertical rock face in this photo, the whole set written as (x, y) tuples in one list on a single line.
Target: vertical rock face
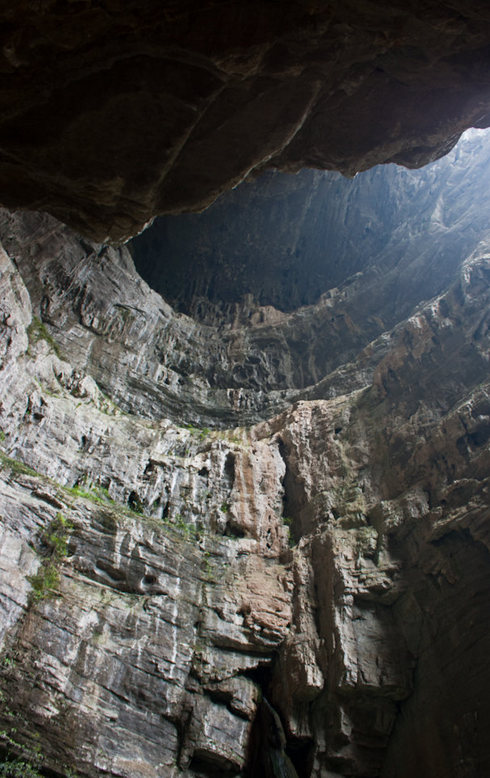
[(254, 549), (284, 240)]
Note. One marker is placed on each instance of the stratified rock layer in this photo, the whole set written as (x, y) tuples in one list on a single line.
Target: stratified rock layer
[(303, 596), (114, 112)]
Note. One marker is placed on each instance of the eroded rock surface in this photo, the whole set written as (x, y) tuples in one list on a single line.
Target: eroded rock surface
[(302, 586), (116, 111), (241, 362)]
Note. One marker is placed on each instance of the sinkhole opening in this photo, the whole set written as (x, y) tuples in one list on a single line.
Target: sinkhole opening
[(287, 240)]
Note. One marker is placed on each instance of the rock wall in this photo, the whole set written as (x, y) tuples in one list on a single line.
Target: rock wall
[(284, 240), (114, 111), (207, 572)]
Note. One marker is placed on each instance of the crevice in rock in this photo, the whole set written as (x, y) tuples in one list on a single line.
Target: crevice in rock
[(301, 753), (230, 468), (233, 530), (268, 753), (202, 767), (134, 502), (293, 497), (261, 675)]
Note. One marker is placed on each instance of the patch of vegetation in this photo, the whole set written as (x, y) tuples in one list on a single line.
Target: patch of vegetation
[(104, 492), (184, 528), (18, 759), (288, 521), (177, 524), (97, 494), (2, 435), (86, 494), (291, 539), (18, 768), (56, 537), (100, 496), (37, 331), (201, 433), (46, 581), (15, 466)]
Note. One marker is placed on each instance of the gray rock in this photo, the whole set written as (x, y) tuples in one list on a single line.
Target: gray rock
[(159, 578)]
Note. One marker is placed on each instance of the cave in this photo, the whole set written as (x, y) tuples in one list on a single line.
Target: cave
[(244, 389)]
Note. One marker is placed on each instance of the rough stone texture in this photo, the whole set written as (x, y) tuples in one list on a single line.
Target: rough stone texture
[(284, 240), (306, 595), (114, 111), (244, 363)]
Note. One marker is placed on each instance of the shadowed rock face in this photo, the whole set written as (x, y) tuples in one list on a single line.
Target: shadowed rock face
[(284, 240), (114, 112), (253, 542)]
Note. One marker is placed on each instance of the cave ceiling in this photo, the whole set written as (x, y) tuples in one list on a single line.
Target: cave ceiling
[(114, 112)]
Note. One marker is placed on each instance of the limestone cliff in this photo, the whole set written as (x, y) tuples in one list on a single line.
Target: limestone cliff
[(254, 543)]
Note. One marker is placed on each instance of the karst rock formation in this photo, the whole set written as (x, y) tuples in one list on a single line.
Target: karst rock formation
[(244, 459)]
